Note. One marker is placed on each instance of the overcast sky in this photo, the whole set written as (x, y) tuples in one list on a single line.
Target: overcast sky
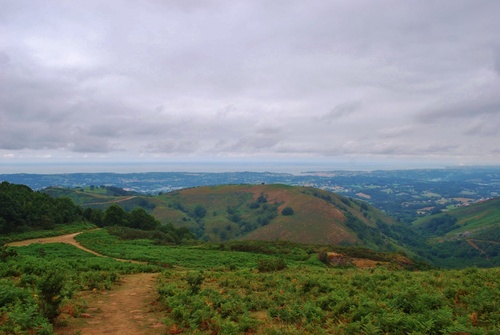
[(277, 80)]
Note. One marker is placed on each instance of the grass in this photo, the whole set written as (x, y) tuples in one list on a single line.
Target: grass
[(193, 257), (208, 289), (59, 230)]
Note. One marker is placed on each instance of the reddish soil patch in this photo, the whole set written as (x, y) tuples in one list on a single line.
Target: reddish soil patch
[(367, 263), (128, 309)]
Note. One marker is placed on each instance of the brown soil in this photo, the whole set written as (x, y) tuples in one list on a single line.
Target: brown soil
[(111, 201), (128, 309), (68, 239)]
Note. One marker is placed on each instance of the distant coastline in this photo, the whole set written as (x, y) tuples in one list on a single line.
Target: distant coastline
[(293, 167)]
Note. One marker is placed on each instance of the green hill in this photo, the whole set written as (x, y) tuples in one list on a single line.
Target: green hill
[(261, 212), (467, 235)]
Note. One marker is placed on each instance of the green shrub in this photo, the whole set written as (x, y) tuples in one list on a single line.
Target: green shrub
[(194, 282), (272, 264), (287, 211), (50, 287)]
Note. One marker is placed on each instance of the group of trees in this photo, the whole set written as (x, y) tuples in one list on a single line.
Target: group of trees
[(22, 209)]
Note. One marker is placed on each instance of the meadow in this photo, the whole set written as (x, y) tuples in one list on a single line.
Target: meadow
[(271, 288)]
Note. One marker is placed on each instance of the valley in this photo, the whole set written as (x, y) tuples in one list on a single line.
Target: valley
[(242, 259)]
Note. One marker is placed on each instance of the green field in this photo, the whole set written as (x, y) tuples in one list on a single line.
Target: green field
[(279, 288)]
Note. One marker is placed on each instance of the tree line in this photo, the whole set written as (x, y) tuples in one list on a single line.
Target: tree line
[(23, 210)]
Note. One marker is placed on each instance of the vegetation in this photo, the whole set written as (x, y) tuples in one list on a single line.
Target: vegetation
[(248, 286), (465, 236), (36, 281), (22, 210), (314, 300), (251, 287)]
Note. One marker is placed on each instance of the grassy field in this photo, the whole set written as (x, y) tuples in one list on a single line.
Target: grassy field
[(279, 288)]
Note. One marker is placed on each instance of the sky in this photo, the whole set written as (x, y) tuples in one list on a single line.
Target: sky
[(334, 82)]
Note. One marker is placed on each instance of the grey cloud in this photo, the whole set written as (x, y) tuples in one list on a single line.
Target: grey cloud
[(4, 59), (93, 145), (341, 111), (257, 78), (172, 146), (395, 132), (496, 60), (484, 105), (261, 139), (489, 128)]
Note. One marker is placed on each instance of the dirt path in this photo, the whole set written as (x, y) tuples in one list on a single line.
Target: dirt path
[(68, 239), (128, 309), (110, 202)]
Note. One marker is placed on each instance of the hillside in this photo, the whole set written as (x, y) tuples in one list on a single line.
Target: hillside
[(468, 235), (259, 212)]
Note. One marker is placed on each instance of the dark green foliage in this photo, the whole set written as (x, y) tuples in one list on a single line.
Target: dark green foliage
[(137, 219), (194, 281), (440, 225), (50, 286), (140, 219), (6, 253), (269, 265), (116, 191), (22, 209), (287, 211), (115, 216), (199, 212), (167, 234)]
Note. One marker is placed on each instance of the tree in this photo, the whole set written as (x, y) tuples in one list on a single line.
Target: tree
[(140, 219), (199, 212), (287, 211), (115, 216)]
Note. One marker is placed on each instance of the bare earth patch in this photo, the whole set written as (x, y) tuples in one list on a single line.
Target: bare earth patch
[(68, 239), (128, 309)]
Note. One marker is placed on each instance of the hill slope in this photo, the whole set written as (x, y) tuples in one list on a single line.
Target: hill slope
[(261, 212), (468, 235)]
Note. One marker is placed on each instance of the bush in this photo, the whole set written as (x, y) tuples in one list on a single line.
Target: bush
[(194, 281), (50, 288), (269, 265), (287, 211)]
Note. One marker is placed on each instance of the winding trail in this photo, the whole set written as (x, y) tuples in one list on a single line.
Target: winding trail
[(128, 309), (111, 201), (68, 239)]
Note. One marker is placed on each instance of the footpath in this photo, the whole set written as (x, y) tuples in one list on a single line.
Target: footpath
[(128, 309)]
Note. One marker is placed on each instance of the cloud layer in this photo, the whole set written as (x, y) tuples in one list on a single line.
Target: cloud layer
[(263, 79)]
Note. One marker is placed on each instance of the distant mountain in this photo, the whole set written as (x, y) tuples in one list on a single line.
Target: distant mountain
[(468, 235)]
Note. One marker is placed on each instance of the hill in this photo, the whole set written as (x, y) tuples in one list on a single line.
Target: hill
[(261, 212), (468, 235)]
